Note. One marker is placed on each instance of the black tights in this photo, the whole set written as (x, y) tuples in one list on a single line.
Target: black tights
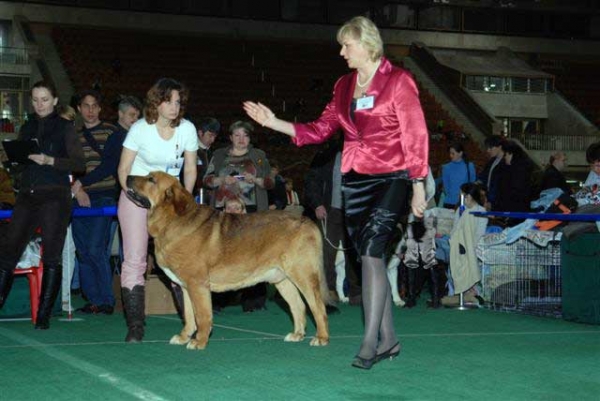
[(380, 334)]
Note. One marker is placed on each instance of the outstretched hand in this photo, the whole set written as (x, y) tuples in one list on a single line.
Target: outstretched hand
[(259, 113)]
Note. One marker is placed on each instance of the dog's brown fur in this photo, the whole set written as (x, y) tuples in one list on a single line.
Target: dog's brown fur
[(206, 250)]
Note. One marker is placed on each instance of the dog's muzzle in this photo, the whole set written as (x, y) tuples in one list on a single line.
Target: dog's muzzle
[(138, 199)]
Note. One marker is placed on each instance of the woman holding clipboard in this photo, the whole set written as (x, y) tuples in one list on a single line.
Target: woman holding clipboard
[(44, 199)]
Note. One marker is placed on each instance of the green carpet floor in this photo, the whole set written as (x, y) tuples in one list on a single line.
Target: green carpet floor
[(446, 355)]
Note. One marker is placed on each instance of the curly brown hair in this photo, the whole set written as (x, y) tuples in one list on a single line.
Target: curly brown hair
[(161, 92)]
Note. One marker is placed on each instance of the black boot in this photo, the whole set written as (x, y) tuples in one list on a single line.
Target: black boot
[(411, 290), (134, 307), (6, 278), (434, 288), (178, 297), (51, 281)]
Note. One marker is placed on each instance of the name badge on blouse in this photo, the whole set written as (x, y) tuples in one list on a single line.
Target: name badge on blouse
[(174, 168), (365, 103)]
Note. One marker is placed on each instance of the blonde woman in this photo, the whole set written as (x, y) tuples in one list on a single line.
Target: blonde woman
[(385, 152)]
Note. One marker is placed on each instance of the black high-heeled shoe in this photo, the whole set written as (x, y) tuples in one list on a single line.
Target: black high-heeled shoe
[(388, 354), (363, 363)]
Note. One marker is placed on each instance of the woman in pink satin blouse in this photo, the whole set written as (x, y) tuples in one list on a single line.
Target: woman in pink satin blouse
[(385, 152)]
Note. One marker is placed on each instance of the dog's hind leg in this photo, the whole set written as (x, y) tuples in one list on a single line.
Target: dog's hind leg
[(291, 295), (310, 286), (202, 310), (189, 326)]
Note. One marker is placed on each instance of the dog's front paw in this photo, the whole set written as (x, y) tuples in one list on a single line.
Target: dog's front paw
[(294, 337), (400, 303), (178, 339), (344, 300), (195, 344), (319, 342)]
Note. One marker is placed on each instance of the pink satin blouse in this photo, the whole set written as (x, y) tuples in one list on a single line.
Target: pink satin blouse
[(390, 136)]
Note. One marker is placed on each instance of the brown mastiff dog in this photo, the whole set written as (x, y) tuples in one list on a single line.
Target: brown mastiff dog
[(205, 250)]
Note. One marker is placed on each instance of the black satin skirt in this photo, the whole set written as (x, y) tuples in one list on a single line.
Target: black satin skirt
[(373, 205)]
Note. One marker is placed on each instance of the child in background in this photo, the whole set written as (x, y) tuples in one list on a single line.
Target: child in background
[(235, 206), (293, 201), (466, 232)]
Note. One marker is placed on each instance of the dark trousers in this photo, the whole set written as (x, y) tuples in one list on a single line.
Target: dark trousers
[(336, 232), (47, 208), (92, 236)]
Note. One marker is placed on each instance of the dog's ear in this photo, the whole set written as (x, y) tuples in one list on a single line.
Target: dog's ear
[(178, 199)]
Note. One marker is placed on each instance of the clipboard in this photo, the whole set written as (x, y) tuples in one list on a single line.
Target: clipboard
[(18, 151)]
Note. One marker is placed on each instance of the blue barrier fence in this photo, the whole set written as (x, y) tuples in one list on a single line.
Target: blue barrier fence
[(78, 212), (541, 216)]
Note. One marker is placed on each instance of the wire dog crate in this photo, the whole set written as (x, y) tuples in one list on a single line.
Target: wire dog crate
[(523, 276)]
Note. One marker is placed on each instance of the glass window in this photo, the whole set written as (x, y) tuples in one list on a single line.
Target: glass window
[(495, 84), (474, 82), (519, 84), (537, 85)]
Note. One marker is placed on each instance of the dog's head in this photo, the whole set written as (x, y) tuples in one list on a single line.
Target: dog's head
[(159, 189)]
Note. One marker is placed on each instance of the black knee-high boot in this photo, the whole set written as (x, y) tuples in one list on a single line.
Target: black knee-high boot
[(412, 282), (435, 289), (51, 281), (6, 278), (135, 314)]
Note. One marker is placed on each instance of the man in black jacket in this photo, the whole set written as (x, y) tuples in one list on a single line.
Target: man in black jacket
[(553, 176), (323, 203)]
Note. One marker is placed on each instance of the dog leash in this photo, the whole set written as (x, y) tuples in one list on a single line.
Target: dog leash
[(324, 228)]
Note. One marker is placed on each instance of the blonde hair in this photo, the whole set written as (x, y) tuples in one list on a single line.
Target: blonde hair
[(235, 201), (365, 31), (68, 113)]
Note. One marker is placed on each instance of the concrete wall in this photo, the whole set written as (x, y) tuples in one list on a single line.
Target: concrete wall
[(567, 120), (513, 105)]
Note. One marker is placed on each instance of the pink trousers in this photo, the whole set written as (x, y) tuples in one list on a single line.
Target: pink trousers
[(134, 230)]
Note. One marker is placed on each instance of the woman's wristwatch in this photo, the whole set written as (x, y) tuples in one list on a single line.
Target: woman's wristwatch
[(417, 180)]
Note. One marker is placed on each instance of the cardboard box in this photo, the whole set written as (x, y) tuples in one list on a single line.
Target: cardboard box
[(159, 298)]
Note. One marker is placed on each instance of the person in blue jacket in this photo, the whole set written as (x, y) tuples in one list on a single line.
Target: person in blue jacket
[(455, 173)]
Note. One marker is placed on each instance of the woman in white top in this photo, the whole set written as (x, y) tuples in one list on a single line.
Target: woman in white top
[(161, 141)]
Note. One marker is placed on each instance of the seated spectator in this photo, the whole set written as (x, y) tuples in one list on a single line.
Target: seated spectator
[(553, 176), (466, 232), (589, 194), (240, 170)]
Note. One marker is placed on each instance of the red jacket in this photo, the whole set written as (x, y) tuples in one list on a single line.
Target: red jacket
[(389, 137)]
